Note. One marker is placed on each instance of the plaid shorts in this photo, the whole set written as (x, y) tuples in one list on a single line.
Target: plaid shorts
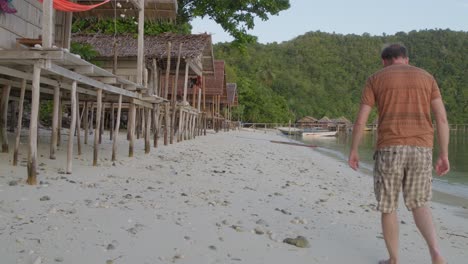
[(402, 167)]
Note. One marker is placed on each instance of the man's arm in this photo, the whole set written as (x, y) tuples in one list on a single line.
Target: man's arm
[(442, 165), (358, 129)]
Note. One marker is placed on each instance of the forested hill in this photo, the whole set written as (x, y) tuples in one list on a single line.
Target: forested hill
[(319, 74)]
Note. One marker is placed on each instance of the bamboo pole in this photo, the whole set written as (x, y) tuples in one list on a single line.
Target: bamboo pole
[(179, 130), (148, 131), (166, 123), (72, 128), (91, 120), (174, 95), (20, 121), (78, 124), (117, 127), (32, 156), (85, 121), (101, 127), (3, 117), (60, 118), (155, 124), (98, 124), (168, 69), (132, 113), (55, 120), (186, 81)]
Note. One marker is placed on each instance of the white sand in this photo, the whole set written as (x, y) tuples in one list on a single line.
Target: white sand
[(199, 201)]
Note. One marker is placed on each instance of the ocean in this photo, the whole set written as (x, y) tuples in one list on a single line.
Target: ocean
[(455, 183)]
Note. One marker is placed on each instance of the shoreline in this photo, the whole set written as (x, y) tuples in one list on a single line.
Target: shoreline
[(228, 197), (443, 192)]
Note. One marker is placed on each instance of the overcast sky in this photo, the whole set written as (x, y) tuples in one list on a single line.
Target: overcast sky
[(351, 17)]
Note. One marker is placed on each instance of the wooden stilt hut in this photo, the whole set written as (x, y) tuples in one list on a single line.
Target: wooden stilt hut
[(170, 59), (35, 65)]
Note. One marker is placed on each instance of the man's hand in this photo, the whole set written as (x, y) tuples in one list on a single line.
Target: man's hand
[(353, 160), (442, 166)]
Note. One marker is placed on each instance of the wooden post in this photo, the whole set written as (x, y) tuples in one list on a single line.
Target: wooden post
[(98, 124), (3, 117), (186, 81), (85, 122), (91, 121), (101, 128), (131, 126), (141, 39), (174, 95), (72, 128), (194, 94), (32, 157), (168, 69), (112, 125), (148, 131), (156, 112), (20, 120), (179, 130), (55, 121), (166, 122), (47, 24), (78, 124), (117, 127), (60, 118)]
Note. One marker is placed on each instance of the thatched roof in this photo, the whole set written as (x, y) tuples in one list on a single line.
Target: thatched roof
[(325, 119), (154, 9), (216, 84), (342, 120), (197, 47), (307, 119)]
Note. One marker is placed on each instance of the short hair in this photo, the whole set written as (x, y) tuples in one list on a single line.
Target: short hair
[(394, 51)]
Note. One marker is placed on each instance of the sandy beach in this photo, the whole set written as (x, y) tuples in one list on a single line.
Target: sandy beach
[(230, 197)]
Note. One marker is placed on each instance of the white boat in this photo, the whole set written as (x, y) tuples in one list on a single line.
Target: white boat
[(319, 133), (290, 130)]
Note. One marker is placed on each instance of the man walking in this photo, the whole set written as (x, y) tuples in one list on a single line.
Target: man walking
[(404, 96)]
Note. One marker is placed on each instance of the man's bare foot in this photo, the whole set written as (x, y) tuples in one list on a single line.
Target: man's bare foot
[(438, 260)]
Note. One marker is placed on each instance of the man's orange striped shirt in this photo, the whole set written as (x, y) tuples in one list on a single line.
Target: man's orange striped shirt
[(403, 95)]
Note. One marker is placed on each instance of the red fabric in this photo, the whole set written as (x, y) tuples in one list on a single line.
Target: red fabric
[(67, 6)]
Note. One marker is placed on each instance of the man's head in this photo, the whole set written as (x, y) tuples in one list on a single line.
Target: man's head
[(394, 54)]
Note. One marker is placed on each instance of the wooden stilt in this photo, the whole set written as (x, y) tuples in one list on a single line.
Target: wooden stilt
[(174, 95), (32, 156), (168, 70), (112, 120), (179, 129), (85, 122), (143, 122), (148, 131), (91, 120), (155, 78), (78, 124), (3, 117), (72, 128), (101, 128), (98, 126), (117, 127), (166, 123), (60, 118), (20, 121), (55, 121), (138, 122), (155, 124), (131, 126)]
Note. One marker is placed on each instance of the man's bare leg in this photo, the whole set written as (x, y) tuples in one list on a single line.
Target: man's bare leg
[(391, 232), (423, 219)]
